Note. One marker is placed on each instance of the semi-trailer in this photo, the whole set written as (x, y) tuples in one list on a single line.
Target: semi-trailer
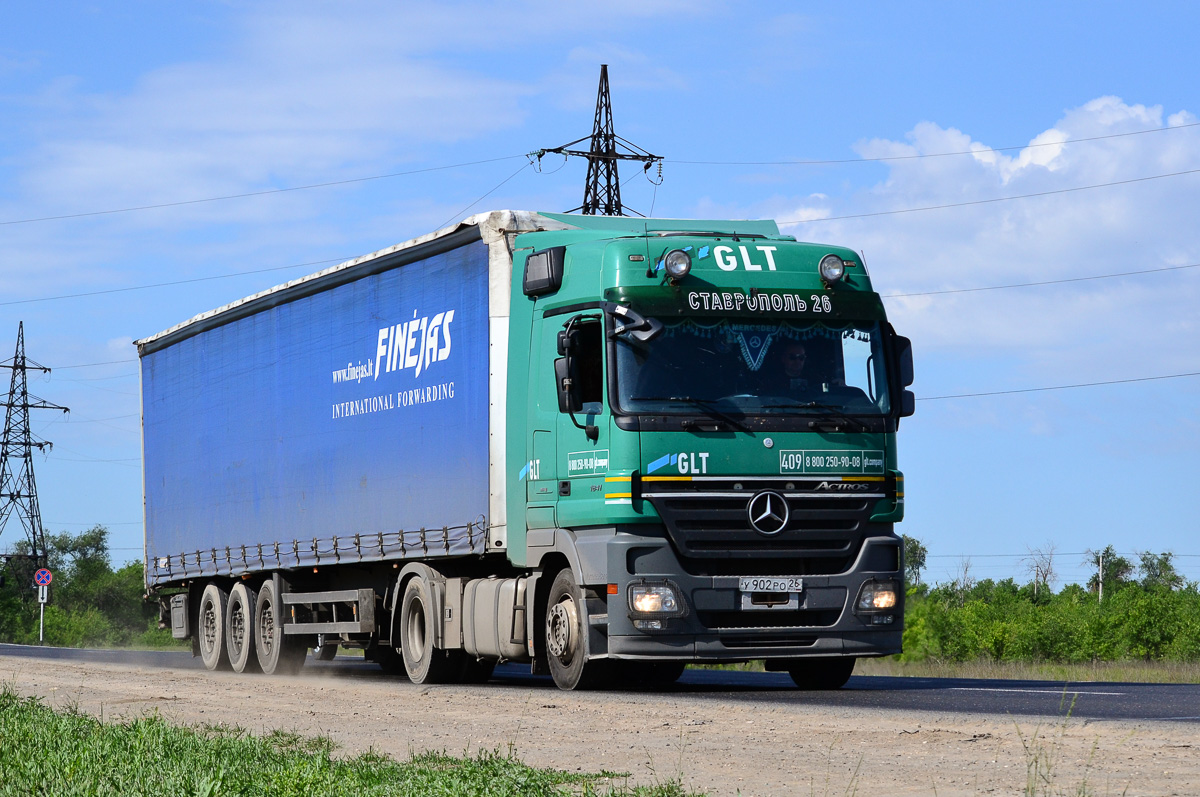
[(605, 447)]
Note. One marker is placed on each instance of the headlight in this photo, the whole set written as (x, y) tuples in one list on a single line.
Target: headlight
[(877, 596), (832, 268), (677, 263), (659, 599)]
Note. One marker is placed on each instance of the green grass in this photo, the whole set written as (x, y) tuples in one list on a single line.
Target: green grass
[(68, 753)]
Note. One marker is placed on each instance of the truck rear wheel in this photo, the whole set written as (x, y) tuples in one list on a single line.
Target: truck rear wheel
[(424, 663), (210, 627), (821, 673), (278, 653), (239, 629), (566, 637)]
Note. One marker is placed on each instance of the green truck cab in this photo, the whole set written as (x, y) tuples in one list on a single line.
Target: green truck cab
[(701, 429)]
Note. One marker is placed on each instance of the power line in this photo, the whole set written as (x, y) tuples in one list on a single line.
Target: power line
[(992, 200), (1059, 387), (255, 193), (93, 365), (496, 188), (931, 154), (1044, 282), (164, 285)]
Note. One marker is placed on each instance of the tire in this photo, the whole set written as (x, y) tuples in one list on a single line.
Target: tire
[(325, 649), (210, 627), (424, 663), (821, 674), (278, 653), (240, 629), (565, 638)]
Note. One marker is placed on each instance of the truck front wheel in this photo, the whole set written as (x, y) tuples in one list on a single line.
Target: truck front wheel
[(424, 663), (566, 636), (278, 653), (214, 604)]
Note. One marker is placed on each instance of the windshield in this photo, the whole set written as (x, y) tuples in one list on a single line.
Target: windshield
[(778, 368)]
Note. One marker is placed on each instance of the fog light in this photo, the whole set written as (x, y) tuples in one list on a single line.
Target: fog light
[(877, 596), (648, 625), (832, 268), (882, 619)]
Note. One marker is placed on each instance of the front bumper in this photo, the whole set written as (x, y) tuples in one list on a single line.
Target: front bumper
[(718, 626)]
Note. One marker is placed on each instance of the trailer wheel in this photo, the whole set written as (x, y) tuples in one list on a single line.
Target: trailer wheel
[(240, 624), (278, 653), (210, 628), (821, 674), (424, 663), (566, 637)]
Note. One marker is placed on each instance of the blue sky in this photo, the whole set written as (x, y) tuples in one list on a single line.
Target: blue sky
[(111, 106)]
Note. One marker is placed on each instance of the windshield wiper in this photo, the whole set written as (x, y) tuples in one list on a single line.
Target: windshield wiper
[(703, 404), (834, 411)]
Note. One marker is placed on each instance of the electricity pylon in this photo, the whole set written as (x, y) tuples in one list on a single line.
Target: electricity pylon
[(18, 490), (602, 194)]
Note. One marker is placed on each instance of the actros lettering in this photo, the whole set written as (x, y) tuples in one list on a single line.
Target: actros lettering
[(414, 344)]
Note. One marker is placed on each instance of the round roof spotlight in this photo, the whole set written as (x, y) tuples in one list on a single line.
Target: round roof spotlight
[(832, 268), (677, 263)]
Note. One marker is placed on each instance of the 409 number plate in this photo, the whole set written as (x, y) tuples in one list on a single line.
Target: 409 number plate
[(771, 584)]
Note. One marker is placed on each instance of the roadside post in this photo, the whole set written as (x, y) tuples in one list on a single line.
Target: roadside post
[(42, 579)]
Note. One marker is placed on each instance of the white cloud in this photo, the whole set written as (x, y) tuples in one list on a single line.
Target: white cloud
[(1112, 328)]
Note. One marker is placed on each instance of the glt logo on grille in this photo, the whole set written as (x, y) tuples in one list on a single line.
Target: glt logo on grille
[(768, 512)]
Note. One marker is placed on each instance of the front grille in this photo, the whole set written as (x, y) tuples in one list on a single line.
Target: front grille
[(744, 620), (767, 641), (825, 531)]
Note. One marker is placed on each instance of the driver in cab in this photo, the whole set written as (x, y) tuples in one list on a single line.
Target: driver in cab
[(787, 374)]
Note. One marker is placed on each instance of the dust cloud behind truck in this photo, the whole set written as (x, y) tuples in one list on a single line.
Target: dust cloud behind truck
[(607, 447)]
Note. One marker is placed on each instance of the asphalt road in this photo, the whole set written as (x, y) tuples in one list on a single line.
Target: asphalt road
[(1100, 701)]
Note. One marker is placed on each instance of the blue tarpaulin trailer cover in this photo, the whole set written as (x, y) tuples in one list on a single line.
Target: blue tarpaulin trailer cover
[(336, 419)]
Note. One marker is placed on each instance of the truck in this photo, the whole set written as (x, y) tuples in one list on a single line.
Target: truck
[(602, 447)]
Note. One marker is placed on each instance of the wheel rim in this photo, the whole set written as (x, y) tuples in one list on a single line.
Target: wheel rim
[(266, 628), (416, 631), (562, 634), (237, 629), (210, 627)]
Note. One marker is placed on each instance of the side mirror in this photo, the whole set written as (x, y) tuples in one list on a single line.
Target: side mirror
[(564, 382), (908, 403), (544, 271), (904, 360)]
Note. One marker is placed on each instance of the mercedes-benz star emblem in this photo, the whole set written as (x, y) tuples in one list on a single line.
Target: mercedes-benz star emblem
[(768, 512)]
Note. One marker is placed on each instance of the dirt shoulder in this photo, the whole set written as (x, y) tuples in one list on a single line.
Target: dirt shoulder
[(718, 746)]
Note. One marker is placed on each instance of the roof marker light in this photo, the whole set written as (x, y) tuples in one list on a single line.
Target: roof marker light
[(678, 263), (832, 268)]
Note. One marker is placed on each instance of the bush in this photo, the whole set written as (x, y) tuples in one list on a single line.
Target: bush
[(91, 605), (1002, 621)]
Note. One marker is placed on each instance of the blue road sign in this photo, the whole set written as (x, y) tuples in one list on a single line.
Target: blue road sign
[(43, 577)]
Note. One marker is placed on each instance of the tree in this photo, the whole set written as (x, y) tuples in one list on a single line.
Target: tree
[(1040, 565), (1158, 571), (914, 559), (1115, 570)]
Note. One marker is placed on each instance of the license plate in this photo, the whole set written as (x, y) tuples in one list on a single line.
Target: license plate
[(771, 584)]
